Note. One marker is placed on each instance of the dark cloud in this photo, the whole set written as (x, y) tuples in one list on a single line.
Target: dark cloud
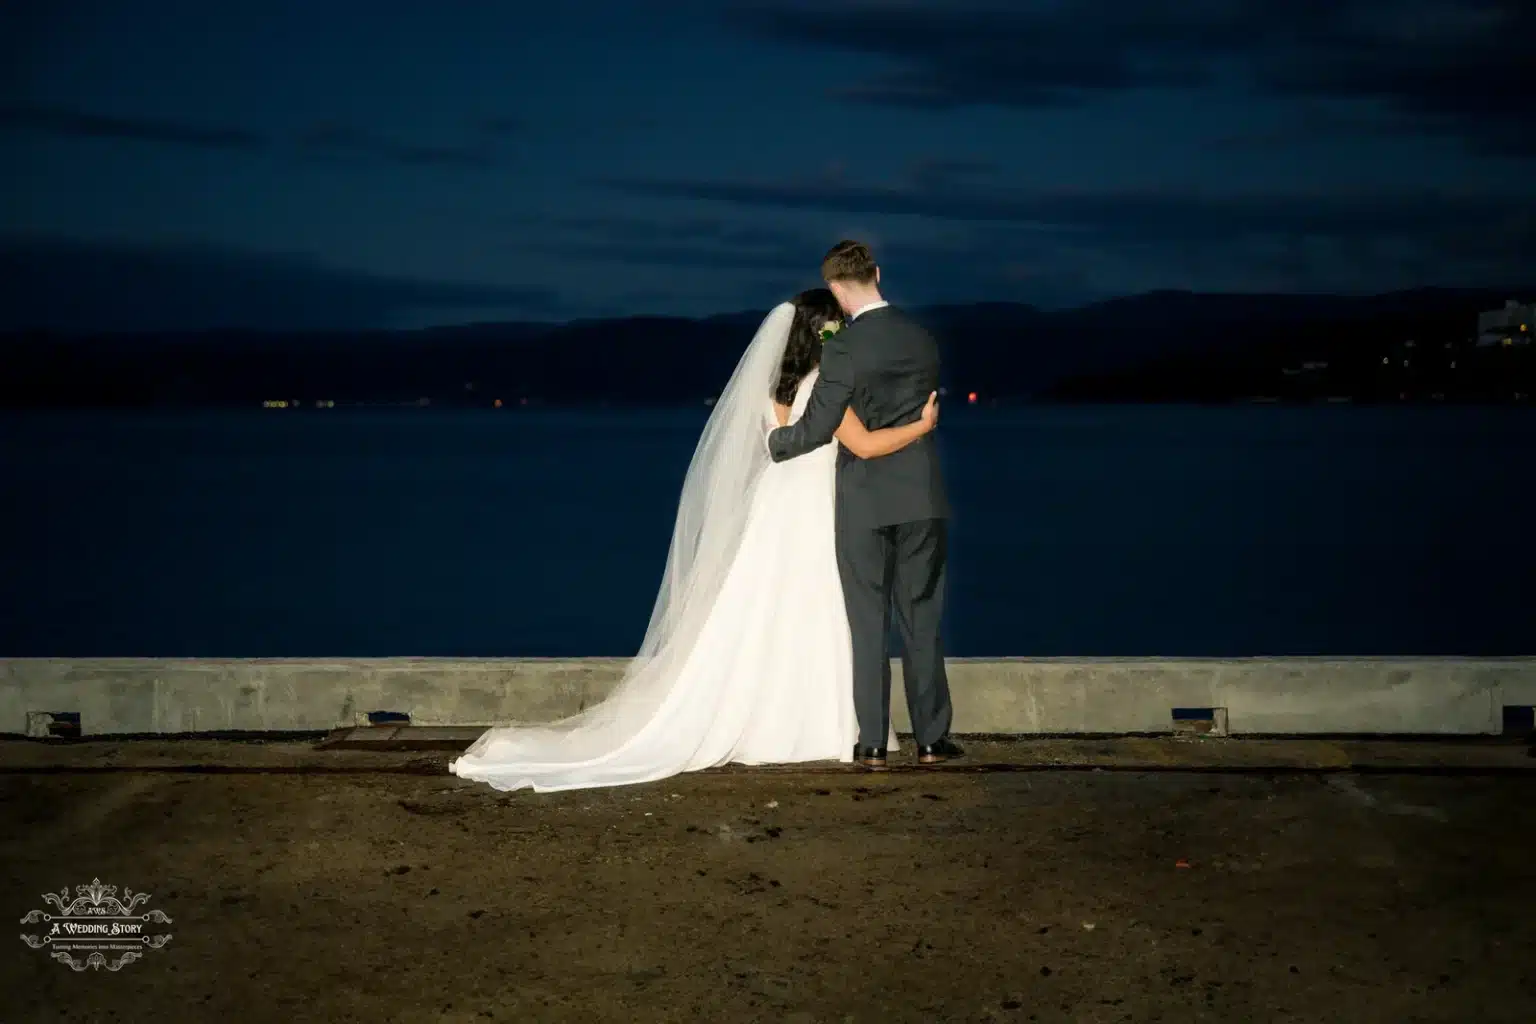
[(1459, 67), (687, 228), (74, 285), (1109, 241), (1313, 121), (59, 121), (735, 261), (679, 255), (1192, 213), (332, 139), (939, 172), (503, 126), (698, 244)]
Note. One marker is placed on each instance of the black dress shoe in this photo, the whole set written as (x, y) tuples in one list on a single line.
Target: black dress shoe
[(872, 758), (937, 753)]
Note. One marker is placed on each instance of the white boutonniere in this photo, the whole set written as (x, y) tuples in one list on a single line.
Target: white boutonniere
[(830, 328)]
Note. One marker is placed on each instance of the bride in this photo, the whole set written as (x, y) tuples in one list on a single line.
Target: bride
[(747, 656)]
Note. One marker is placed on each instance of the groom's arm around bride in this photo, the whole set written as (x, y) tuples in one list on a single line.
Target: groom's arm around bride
[(883, 367), (839, 408)]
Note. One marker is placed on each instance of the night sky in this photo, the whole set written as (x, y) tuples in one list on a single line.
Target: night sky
[(339, 163)]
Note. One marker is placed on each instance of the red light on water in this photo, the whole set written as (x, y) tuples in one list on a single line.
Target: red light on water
[(971, 398)]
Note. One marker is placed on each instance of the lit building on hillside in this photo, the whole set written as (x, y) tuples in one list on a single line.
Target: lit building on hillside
[(1509, 326)]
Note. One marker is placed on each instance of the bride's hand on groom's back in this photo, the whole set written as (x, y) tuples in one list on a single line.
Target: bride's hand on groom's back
[(930, 414)]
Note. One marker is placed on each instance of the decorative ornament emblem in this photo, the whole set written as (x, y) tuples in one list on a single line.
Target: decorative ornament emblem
[(110, 930)]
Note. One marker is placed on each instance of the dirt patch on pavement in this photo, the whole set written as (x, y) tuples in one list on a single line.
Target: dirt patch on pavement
[(790, 896)]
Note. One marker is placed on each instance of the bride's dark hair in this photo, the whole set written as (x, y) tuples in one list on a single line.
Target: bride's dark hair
[(813, 308)]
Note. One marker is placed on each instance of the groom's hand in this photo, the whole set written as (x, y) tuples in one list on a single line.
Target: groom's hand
[(930, 414)]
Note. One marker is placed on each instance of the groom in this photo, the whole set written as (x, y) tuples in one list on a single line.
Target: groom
[(891, 511)]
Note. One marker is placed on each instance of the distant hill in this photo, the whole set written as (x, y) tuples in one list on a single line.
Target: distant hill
[(1178, 346), (1414, 345)]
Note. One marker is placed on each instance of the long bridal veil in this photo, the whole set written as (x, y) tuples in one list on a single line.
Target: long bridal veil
[(712, 513)]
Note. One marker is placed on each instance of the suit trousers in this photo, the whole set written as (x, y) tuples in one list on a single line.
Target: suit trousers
[(897, 569)]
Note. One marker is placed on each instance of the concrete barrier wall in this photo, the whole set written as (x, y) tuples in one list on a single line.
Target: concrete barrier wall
[(1001, 696)]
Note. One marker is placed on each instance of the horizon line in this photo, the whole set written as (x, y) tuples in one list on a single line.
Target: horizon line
[(1512, 294)]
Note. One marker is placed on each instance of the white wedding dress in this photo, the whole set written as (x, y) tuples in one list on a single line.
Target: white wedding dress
[(747, 659)]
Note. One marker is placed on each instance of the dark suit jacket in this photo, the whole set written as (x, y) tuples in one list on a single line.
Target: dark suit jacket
[(884, 365)]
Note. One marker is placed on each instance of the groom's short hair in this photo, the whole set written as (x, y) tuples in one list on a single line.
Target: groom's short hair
[(849, 261)]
